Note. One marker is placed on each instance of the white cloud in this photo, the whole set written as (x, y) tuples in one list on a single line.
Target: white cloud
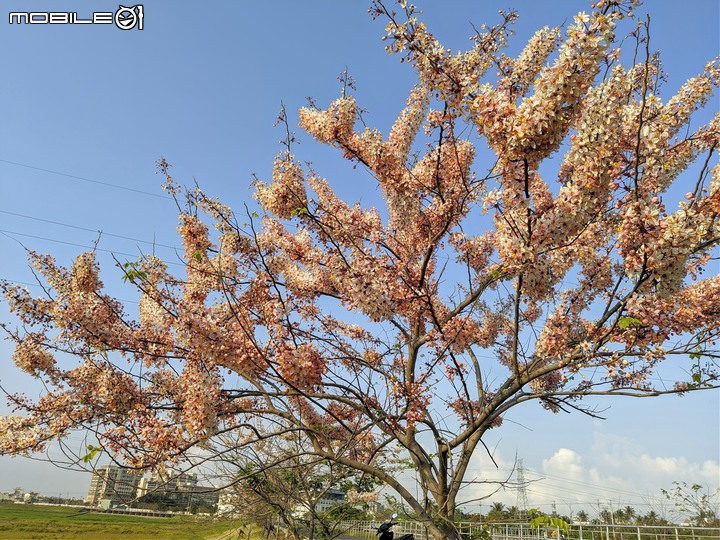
[(711, 471), (643, 469), (616, 472), (662, 465), (565, 462), (608, 471)]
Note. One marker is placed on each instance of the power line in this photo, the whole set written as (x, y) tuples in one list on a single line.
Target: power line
[(103, 233), (564, 481), (90, 180), (36, 237), (10, 234), (37, 285), (575, 487)]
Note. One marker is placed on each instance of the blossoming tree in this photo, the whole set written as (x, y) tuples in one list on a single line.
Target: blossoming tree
[(276, 481), (368, 330)]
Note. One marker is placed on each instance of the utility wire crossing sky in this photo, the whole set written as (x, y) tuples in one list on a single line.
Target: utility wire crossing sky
[(89, 109)]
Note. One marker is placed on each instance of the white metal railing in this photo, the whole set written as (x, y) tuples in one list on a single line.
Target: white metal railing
[(523, 531)]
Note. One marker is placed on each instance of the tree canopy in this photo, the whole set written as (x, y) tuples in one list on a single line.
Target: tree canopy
[(409, 330)]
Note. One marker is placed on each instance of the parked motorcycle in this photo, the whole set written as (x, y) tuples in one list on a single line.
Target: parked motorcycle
[(386, 533)]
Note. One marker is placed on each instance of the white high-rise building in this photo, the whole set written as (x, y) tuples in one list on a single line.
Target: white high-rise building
[(167, 482), (113, 483)]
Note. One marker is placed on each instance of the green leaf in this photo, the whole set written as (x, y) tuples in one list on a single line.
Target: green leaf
[(555, 523), (132, 273), (299, 212), (92, 452), (626, 322)]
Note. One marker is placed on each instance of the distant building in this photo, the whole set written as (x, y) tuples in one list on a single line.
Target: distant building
[(167, 482), (179, 489), (329, 499), (332, 497), (112, 484)]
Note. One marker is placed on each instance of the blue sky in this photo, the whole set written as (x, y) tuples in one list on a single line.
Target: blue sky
[(87, 110)]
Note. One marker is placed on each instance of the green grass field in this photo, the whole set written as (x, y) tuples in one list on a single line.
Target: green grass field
[(35, 522)]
